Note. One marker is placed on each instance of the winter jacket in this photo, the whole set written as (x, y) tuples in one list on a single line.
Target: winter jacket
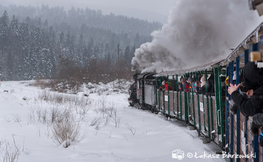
[(249, 106), (186, 87), (167, 85)]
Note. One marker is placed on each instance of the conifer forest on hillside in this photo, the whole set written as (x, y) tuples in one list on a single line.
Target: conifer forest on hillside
[(76, 44)]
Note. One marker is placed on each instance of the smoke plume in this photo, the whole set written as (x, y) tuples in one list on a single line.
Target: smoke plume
[(197, 32)]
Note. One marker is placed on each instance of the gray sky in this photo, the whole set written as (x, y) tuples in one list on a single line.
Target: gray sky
[(152, 10)]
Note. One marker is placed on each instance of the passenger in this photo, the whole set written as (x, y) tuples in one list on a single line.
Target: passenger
[(186, 85), (207, 87), (162, 87), (202, 85), (194, 86), (198, 83), (252, 80), (167, 85), (181, 84)]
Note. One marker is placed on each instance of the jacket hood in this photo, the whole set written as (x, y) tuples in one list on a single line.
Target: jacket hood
[(252, 76)]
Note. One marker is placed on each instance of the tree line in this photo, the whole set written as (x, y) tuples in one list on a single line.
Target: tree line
[(31, 48)]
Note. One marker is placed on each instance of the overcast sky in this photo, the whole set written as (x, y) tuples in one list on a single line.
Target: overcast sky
[(152, 10)]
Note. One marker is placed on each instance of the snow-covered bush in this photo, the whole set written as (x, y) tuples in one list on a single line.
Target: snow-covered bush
[(64, 86), (57, 98)]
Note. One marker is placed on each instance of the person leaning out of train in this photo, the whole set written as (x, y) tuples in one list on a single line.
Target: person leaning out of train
[(252, 80), (206, 87), (202, 85), (180, 84), (186, 85), (167, 85), (194, 84), (246, 94)]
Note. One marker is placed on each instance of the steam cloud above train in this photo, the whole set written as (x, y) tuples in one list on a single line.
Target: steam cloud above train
[(197, 32)]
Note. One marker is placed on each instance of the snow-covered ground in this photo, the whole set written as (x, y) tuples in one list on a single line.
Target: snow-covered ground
[(107, 129)]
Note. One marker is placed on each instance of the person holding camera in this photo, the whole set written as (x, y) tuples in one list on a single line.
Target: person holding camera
[(250, 104), (252, 85)]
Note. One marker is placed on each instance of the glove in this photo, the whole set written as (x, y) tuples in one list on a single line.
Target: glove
[(234, 109), (255, 128)]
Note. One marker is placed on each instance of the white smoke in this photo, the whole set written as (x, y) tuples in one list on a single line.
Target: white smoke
[(197, 32)]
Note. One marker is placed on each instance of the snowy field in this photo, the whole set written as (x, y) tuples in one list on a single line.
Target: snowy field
[(98, 127)]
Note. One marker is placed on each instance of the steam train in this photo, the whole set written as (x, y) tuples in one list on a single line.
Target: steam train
[(209, 112)]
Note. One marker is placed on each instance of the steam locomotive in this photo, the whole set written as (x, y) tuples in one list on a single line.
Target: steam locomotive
[(208, 112)]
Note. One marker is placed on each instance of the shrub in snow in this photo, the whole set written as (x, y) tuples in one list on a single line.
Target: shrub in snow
[(74, 87), (66, 131), (74, 100), (112, 113), (9, 152), (131, 128), (64, 124), (96, 121)]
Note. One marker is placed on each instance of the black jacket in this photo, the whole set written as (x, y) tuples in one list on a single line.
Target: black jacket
[(249, 106), (258, 119)]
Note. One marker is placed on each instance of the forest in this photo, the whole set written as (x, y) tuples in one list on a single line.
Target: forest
[(75, 44)]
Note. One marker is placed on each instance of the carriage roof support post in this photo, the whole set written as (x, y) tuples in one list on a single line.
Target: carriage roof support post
[(207, 107), (181, 106), (246, 53), (173, 93), (222, 121), (227, 115), (190, 113), (177, 104), (185, 105), (238, 113), (255, 47), (168, 95), (198, 104), (219, 107), (203, 100), (193, 103), (160, 93), (163, 99), (211, 114), (156, 90), (230, 74)]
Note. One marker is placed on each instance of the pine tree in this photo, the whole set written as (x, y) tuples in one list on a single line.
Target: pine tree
[(4, 26)]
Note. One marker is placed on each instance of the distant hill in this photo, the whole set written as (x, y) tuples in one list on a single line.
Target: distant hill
[(33, 40)]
